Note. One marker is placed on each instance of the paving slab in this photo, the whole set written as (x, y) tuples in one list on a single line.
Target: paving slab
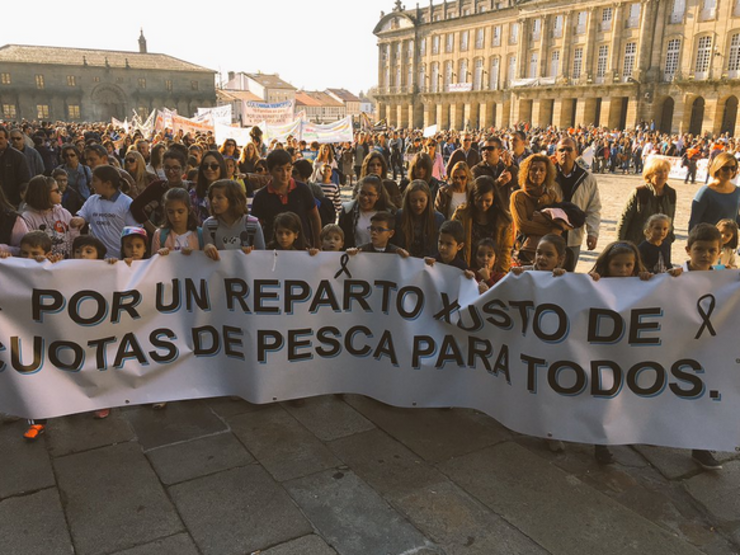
[(718, 492), (230, 406), (281, 444), (671, 463), (179, 421), (462, 526), (113, 499), (556, 510), (238, 511), (200, 457), (34, 525), (384, 463), (25, 466), (440, 509), (434, 434), (352, 517), (179, 544), (82, 432), (307, 545), (329, 417)]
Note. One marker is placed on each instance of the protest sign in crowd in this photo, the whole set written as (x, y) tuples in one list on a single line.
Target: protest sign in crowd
[(486, 203)]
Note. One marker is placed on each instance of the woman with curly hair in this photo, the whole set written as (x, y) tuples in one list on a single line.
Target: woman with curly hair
[(538, 190), (485, 215)]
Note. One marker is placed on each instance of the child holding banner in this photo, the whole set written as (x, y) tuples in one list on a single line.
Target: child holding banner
[(230, 227), (703, 247), (180, 231), (288, 234)]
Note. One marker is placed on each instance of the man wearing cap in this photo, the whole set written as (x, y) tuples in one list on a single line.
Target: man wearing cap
[(579, 187)]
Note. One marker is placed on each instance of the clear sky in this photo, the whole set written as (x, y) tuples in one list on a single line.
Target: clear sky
[(313, 45)]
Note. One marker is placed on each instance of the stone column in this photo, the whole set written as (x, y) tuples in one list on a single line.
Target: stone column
[(430, 114), (410, 112), (590, 46), (521, 60), (648, 12), (633, 104), (442, 116), (615, 45), (713, 113), (567, 43), (456, 116), (586, 111), (543, 51), (470, 114), (483, 116), (536, 113)]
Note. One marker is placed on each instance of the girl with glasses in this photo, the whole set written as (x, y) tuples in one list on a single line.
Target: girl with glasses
[(211, 169), (44, 212)]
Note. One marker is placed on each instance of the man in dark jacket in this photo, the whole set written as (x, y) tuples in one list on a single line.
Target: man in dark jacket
[(506, 175), (13, 169)]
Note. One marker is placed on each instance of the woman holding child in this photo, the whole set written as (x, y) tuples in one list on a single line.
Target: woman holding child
[(654, 197), (538, 191)]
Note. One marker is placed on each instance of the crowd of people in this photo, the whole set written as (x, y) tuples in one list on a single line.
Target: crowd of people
[(485, 202)]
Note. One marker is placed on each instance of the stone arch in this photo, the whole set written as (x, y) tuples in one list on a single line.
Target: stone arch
[(665, 114), (108, 101), (696, 119), (729, 115)]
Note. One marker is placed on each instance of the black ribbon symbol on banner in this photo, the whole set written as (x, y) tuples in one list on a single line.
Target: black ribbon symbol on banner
[(343, 270), (706, 324)]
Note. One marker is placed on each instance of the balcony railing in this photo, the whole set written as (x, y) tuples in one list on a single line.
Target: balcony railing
[(606, 25), (496, 41), (536, 35), (633, 23), (557, 33), (580, 29)]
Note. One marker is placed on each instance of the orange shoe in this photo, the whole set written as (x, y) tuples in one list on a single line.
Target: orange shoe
[(102, 413), (34, 431)]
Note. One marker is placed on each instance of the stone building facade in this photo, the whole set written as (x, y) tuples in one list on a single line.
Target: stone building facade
[(74, 84), (483, 63)]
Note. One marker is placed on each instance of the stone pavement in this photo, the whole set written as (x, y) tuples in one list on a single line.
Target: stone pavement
[(347, 475), (352, 476)]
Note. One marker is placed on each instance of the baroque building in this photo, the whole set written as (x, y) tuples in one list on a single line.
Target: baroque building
[(483, 63), (75, 84)]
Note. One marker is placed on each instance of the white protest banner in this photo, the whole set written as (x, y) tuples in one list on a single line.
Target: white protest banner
[(616, 361), (678, 171), (430, 131), (163, 120), (190, 125), (221, 114), (239, 134), (277, 113), (338, 132), (281, 132)]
